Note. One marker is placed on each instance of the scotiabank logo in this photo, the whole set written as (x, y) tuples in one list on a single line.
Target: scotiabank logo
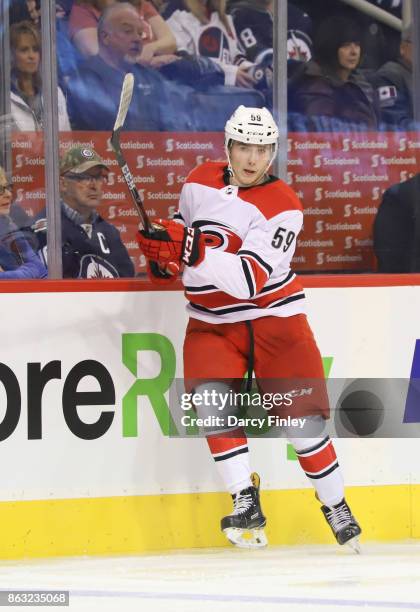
[(403, 144), (101, 402), (405, 175), (346, 144)]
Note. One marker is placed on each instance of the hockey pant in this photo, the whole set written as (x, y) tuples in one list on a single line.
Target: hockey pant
[(285, 358)]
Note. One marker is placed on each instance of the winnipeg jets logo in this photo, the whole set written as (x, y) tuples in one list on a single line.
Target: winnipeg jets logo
[(93, 266), (298, 46), (213, 42)]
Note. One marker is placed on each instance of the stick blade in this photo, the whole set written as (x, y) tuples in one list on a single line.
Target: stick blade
[(125, 99)]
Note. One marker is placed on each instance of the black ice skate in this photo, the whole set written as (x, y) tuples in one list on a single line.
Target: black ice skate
[(343, 524), (244, 527)]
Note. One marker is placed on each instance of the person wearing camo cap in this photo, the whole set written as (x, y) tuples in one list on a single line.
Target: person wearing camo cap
[(91, 247)]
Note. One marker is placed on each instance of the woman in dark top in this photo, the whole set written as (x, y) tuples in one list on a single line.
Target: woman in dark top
[(329, 91)]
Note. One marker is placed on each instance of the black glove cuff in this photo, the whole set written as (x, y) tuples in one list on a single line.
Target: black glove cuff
[(191, 246), (157, 271)]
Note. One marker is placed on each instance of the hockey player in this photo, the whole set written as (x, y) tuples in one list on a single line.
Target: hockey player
[(236, 232)]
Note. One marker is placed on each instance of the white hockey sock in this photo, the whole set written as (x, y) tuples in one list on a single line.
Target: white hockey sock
[(234, 471), (230, 452)]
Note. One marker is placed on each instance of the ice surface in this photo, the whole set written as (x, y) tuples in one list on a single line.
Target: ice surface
[(308, 578)]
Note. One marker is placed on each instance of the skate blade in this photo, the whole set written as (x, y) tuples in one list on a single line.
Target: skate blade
[(354, 544), (246, 538)]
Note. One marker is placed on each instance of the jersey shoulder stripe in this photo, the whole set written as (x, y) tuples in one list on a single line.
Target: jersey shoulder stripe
[(209, 174), (272, 198)]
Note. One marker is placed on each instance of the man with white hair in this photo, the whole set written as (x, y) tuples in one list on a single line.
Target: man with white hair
[(95, 92), (235, 233)]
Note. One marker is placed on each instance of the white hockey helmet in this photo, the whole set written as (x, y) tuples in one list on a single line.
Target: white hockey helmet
[(252, 126)]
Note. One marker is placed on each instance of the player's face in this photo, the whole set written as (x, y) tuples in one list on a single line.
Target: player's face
[(249, 163), (349, 56), (83, 192), (5, 194)]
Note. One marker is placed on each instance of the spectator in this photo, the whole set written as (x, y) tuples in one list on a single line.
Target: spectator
[(396, 230), (380, 42), (299, 34), (91, 247), (167, 7), (25, 10), (34, 10), (163, 5), (83, 24), (18, 259), (94, 93), (329, 91), (216, 40), (394, 82), (26, 86), (157, 37), (63, 8), (253, 20), (253, 23)]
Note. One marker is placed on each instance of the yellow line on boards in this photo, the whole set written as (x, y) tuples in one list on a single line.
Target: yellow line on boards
[(139, 524)]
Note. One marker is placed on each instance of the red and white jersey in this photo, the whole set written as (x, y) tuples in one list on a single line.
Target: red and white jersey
[(251, 237)]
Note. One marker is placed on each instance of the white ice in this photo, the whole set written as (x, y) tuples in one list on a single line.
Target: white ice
[(308, 578)]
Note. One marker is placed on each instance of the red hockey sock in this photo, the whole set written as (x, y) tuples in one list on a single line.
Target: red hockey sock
[(319, 462)]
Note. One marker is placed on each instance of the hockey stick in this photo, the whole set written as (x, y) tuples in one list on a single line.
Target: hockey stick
[(125, 99)]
